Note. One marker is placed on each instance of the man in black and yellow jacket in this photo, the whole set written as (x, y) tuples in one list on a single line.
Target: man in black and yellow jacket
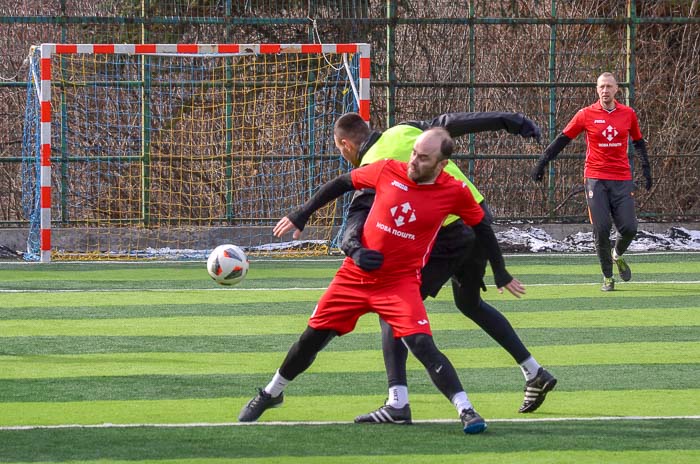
[(455, 254)]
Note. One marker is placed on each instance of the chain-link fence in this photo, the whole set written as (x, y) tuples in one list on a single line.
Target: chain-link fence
[(538, 58)]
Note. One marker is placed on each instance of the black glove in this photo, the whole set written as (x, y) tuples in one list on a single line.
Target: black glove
[(640, 147), (530, 129), (646, 172), (537, 172), (367, 259)]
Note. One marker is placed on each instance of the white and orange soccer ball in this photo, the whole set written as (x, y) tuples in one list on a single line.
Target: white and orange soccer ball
[(227, 265)]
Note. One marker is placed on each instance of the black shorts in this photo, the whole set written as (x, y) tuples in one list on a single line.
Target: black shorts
[(455, 257)]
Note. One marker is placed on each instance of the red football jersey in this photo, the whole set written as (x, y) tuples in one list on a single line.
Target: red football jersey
[(406, 217), (607, 135)]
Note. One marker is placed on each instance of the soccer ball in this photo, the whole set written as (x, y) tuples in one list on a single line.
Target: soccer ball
[(227, 265)]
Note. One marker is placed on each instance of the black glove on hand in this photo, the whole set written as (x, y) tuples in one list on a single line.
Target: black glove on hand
[(646, 172), (530, 129), (537, 172), (367, 259)]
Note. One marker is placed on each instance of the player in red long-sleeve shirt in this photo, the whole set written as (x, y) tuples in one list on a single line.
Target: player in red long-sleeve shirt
[(608, 125), (410, 204)]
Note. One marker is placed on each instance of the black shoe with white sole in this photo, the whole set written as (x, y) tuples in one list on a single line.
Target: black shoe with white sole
[(536, 390), (386, 415)]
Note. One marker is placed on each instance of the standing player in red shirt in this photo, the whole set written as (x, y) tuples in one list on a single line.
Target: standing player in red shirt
[(608, 178), (411, 202)]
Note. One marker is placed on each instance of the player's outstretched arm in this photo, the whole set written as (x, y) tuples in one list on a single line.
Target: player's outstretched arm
[(327, 193), (550, 153), (458, 124)]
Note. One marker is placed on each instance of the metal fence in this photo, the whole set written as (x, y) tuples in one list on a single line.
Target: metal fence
[(540, 58)]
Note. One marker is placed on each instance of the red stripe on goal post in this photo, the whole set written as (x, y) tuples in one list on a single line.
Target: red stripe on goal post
[(229, 48), (45, 69), (45, 111), (45, 239), (46, 197), (346, 48), (312, 48), (364, 68), (364, 109), (187, 48), (145, 48), (66, 48), (270, 48), (103, 48), (45, 154)]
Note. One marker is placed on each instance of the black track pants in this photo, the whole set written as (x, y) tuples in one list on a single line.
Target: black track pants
[(610, 201)]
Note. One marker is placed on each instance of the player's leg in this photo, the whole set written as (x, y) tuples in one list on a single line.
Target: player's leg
[(452, 240), (396, 409), (625, 219), (444, 377), (599, 212), (336, 313), (401, 306), (467, 283), (299, 357), (466, 289)]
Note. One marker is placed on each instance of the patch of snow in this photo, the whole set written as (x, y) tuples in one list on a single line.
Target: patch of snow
[(535, 240)]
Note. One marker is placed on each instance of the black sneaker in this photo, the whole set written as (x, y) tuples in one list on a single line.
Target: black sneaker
[(472, 422), (386, 415), (608, 284), (260, 402), (623, 269), (536, 390)]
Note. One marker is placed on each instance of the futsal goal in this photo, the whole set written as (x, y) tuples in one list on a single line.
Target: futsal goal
[(168, 150)]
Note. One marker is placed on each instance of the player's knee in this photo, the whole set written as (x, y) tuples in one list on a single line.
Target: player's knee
[(602, 228), (303, 352), (312, 340), (466, 296), (629, 232), (469, 309), (423, 348)]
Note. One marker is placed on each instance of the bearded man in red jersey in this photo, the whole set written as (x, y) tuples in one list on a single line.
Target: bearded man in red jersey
[(608, 125), (411, 202)]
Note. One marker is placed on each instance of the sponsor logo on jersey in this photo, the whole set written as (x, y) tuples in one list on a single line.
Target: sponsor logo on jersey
[(610, 133), (599, 121), (392, 231), (398, 184), (423, 322), (403, 214)]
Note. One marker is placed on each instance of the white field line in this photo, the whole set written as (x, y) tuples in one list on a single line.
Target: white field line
[(297, 423), (277, 289), (327, 259)]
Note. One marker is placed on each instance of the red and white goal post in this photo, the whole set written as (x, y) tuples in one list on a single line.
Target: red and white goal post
[(138, 148)]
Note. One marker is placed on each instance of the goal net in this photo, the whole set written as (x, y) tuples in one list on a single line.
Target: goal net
[(158, 151)]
